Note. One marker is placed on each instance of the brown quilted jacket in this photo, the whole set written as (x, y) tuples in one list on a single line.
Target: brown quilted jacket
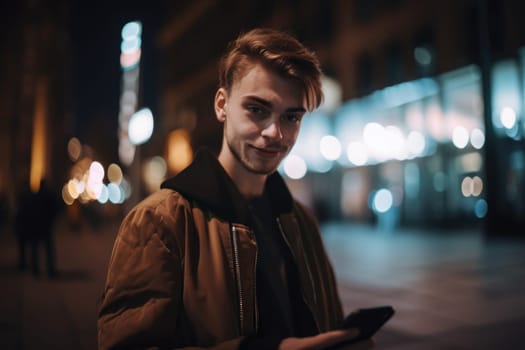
[(182, 270)]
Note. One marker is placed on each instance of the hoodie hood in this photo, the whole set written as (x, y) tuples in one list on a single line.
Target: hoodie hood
[(206, 182)]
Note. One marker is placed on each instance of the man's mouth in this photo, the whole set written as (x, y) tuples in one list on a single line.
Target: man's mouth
[(269, 151)]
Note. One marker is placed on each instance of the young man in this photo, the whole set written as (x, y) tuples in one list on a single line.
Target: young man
[(222, 256)]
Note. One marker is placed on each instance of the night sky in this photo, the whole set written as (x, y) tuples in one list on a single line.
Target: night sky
[(95, 35)]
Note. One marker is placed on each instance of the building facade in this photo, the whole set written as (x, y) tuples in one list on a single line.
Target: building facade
[(429, 121), (35, 95)]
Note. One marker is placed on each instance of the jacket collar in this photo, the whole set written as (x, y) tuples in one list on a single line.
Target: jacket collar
[(206, 182)]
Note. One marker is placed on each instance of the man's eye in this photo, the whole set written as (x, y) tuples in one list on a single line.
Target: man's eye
[(292, 118), (255, 109)]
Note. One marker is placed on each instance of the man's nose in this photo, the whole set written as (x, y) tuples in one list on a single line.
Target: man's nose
[(273, 130)]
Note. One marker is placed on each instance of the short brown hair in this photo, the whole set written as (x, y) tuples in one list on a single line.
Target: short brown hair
[(279, 51)]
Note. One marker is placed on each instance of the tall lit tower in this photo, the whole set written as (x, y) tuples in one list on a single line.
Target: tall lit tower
[(130, 52)]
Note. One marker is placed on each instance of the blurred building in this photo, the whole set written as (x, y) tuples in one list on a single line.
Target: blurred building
[(35, 98), (424, 124)]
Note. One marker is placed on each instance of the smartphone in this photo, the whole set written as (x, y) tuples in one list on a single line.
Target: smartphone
[(368, 320)]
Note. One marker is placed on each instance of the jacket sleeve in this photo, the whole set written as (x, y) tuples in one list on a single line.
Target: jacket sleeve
[(141, 303)]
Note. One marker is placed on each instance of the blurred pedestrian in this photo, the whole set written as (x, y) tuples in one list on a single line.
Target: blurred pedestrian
[(34, 224), (22, 224), (223, 256), (4, 212)]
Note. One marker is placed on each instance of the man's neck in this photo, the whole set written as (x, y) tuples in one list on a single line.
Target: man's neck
[(249, 184)]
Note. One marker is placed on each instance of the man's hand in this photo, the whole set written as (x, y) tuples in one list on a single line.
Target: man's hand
[(325, 340)]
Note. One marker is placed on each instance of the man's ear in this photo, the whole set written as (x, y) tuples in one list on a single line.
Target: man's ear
[(220, 104)]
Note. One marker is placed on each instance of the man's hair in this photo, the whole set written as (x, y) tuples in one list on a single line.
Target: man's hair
[(278, 51)]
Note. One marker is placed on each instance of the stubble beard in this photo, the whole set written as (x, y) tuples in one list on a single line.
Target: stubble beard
[(246, 163)]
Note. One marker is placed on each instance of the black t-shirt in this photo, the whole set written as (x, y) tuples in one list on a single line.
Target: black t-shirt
[(282, 311)]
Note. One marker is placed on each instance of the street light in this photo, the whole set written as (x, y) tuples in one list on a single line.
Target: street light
[(140, 126), (130, 53), (140, 129)]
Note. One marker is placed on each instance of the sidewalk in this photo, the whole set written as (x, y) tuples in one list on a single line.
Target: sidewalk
[(59, 313), (451, 290)]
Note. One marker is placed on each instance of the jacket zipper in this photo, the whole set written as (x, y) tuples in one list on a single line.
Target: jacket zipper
[(236, 266), (255, 284), (307, 269)]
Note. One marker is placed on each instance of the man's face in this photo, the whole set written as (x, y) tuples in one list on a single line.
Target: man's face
[(262, 114)]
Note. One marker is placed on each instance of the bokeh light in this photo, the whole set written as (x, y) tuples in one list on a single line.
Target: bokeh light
[(373, 135), (439, 181), (508, 117), (140, 126), (357, 153), (125, 188), (422, 56), (330, 147), (154, 172), (114, 173), (481, 208), (75, 188), (74, 149), (115, 194), (294, 167), (180, 153), (130, 46), (477, 138), (96, 172), (66, 197), (471, 186), (477, 186), (466, 186), (131, 30), (383, 201), (103, 196), (416, 143), (460, 137), (394, 143)]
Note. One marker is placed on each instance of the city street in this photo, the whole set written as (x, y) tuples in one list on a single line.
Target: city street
[(385, 112), (451, 290)]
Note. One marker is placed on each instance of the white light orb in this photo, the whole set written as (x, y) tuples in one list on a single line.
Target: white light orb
[(460, 137), (357, 153), (114, 193), (508, 117), (330, 147), (295, 167), (140, 126), (103, 195), (416, 143), (383, 200), (477, 138)]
